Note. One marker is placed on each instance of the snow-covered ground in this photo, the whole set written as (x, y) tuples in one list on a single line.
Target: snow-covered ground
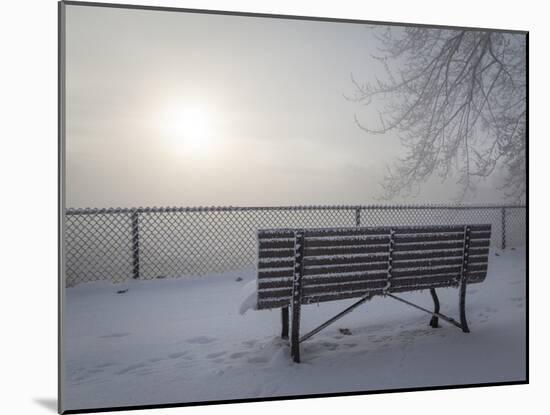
[(184, 340)]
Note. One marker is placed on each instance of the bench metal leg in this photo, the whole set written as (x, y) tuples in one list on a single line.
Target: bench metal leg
[(297, 296), (434, 322), (463, 322), (284, 316), (463, 279), (295, 335)]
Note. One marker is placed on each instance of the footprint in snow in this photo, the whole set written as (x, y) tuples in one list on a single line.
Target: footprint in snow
[(249, 343), (130, 368), (214, 355), (94, 371), (144, 372), (176, 355), (183, 364), (330, 346), (201, 340), (237, 355)]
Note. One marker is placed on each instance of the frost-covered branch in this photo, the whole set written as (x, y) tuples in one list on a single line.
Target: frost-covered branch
[(457, 100)]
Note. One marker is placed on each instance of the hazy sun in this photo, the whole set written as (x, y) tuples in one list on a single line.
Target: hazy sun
[(188, 129)]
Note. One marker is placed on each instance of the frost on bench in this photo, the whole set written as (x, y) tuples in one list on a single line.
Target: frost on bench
[(304, 266)]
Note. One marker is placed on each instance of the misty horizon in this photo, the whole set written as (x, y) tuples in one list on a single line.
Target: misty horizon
[(182, 109)]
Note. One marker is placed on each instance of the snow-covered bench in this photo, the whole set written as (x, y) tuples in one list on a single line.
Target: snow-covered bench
[(304, 266)]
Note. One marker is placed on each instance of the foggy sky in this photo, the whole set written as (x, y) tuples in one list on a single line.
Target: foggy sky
[(280, 130)]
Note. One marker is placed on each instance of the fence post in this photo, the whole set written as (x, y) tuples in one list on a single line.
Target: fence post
[(135, 243), (358, 216), (503, 217)]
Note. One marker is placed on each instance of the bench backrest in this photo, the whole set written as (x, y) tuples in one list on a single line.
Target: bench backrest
[(343, 263)]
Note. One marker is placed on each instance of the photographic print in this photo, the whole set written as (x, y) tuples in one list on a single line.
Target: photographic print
[(272, 207)]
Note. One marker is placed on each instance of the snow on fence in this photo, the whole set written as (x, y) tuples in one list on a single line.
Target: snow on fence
[(121, 243)]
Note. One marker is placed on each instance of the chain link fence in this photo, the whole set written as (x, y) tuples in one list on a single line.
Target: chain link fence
[(148, 243)]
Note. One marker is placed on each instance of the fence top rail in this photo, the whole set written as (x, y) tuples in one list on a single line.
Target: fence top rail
[(96, 211)]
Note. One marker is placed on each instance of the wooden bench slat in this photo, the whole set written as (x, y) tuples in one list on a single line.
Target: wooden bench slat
[(402, 256), (308, 270), (399, 264), (308, 290), (435, 271), (342, 232), (482, 243), (419, 287), (343, 260), (449, 279), (281, 243), (428, 246), (426, 271), (438, 229), (275, 233), (314, 299), (341, 278), (280, 283), (275, 293), (427, 237), (478, 259), (425, 278), (427, 262), (353, 250), (398, 256), (374, 240), (474, 267)]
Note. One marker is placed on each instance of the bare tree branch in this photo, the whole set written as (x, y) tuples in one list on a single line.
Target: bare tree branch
[(457, 100)]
